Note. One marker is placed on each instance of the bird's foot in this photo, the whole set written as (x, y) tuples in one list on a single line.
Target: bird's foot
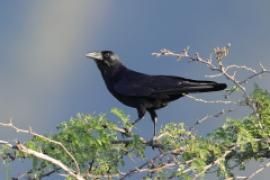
[(136, 121), (153, 142), (127, 130)]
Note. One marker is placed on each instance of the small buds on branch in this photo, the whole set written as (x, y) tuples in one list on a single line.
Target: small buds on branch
[(222, 52)]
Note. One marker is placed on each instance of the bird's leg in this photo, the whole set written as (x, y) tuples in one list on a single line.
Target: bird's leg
[(141, 112), (154, 118)]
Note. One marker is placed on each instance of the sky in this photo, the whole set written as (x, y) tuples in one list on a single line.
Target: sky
[(46, 78)]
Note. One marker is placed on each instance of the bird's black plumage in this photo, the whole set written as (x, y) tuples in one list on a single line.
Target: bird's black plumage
[(145, 92)]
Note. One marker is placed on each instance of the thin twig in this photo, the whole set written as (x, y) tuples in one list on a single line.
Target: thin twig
[(252, 175), (142, 168), (263, 70), (220, 53), (207, 117), (2, 142), (216, 162), (31, 132), (45, 157), (137, 169), (210, 101)]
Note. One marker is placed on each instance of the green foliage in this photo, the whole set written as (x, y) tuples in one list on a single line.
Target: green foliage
[(174, 136), (100, 148), (92, 140), (122, 116), (241, 140)]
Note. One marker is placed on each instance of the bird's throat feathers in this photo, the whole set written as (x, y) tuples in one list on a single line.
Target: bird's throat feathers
[(109, 70)]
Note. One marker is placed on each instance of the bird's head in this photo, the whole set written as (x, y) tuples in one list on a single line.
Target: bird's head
[(107, 61), (107, 58)]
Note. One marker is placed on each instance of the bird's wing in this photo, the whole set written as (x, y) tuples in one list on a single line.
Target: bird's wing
[(162, 86), (133, 88), (149, 86)]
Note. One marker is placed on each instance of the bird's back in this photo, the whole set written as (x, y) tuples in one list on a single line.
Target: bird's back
[(135, 84)]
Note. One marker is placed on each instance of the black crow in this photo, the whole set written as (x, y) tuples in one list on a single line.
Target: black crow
[(142, 91)]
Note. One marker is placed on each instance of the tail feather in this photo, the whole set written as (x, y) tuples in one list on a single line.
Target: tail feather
[(203, 86)]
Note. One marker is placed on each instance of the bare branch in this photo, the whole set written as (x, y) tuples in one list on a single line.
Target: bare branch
[(210, 101), (137, 169), (45, 157), (241, 67), (2, 142), (252, 175), (207, 117), (220, 53), (150, 163), (216, 162), (262, 71), (31, 132)]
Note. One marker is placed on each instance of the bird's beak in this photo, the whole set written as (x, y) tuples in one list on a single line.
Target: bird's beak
[(94, 55)]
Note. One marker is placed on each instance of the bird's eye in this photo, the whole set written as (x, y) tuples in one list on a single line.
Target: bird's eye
[(106, 55)]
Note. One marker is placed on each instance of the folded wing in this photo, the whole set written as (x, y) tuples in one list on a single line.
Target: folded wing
[(163, 86)]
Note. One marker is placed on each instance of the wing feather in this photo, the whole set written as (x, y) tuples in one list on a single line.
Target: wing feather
[(149, 86)]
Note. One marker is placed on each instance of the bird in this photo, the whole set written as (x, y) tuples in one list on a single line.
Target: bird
[(146, 93)]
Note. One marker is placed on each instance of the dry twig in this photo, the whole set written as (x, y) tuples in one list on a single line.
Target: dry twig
[(31, 132), (45, 157)]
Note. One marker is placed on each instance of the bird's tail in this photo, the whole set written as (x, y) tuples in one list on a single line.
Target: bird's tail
[(202, 86)]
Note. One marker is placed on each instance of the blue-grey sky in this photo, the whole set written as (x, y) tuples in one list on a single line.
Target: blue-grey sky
[(45, 77)]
